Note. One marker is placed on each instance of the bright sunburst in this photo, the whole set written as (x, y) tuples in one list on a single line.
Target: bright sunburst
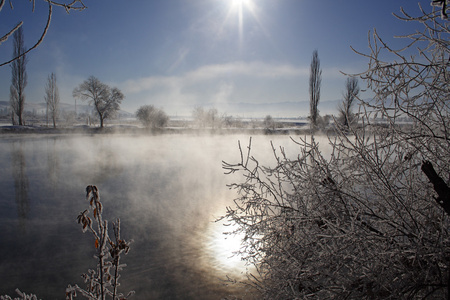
[(240, 3), (239, 8)]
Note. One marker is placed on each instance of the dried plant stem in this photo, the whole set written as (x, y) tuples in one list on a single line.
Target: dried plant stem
[(108, 254)]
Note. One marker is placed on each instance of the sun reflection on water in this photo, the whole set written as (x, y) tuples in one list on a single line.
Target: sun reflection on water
[(223, 246)]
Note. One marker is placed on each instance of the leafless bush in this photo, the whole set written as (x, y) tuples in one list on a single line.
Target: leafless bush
[(209, 118), (152, 117), (269, 123), (361, 222), (22, 296)]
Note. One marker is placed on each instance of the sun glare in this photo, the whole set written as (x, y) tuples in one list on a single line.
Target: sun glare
[(239, 3), (238, 8), (223, 248)]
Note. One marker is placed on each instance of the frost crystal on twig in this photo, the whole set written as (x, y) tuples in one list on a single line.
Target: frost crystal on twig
[(101, 283)]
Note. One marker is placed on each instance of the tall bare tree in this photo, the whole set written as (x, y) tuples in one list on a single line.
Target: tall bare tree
[(18, 76), (315, 80), (52, 98), (105, 99), (350, 95)]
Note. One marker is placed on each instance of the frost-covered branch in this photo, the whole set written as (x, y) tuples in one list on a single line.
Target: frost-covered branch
[(22, 296), (360, 222), (76, 5), (100, 282)]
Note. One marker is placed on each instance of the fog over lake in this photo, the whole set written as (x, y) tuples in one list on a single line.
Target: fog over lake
[(167, 190)]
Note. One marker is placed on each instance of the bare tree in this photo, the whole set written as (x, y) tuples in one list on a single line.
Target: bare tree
[(152, 117), (52, 98), (315, 80), (106, 100), (355, 216), (269, 123), (206, 118), (350, 95), (212, 118), (68, 6), (18, 76), (198, 114)]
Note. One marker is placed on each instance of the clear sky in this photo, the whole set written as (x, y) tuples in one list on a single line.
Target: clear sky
[(177, 54)]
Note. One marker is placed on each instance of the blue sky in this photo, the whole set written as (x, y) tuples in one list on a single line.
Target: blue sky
[(177, 54)]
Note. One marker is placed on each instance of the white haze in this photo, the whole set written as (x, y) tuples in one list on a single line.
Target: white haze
[(167, 189)]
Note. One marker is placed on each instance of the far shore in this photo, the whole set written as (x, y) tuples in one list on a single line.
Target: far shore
[(135, 130)]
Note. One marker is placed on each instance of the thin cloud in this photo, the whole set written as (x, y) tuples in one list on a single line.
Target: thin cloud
[(148, 83), (256, 70)]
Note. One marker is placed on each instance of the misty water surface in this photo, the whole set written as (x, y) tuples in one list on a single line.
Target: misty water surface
[(167, 190)]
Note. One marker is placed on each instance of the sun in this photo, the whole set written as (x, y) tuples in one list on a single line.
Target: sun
[(241, 17), (240, 8), (240, 3)]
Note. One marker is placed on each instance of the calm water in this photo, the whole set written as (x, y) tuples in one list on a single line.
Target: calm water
[(166, 189)]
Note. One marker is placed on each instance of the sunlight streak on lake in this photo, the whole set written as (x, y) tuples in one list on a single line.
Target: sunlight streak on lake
[(168, 191)]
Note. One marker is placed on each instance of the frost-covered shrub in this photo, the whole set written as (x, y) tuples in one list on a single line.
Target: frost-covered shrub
[(269, 123), (152, 117), (103, 282), (209, 118), (361, 222), (22, 296)]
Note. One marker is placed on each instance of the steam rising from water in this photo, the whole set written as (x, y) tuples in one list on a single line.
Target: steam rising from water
[(167, 189)]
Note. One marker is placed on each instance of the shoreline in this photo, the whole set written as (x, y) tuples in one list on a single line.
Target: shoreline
[(134, 130)]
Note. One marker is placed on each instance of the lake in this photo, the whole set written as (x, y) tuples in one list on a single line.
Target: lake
[(167, 189)]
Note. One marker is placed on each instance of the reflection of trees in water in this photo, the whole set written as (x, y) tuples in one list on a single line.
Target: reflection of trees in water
[(106, 165), (52, 163), (20, 182)]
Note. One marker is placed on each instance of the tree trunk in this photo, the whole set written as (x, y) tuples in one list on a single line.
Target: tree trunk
[(439, 185)]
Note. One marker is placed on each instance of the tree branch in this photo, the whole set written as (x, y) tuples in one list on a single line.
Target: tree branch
[(38, 42), (439, 185)]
